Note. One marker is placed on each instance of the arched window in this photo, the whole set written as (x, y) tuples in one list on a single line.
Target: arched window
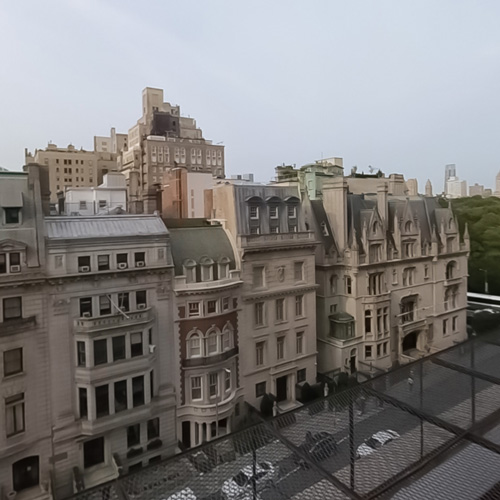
[(227, 337), (207, 271), (189, 269), (409, 226), (375, 227), (223, 268), (450, 224), (451, 268), (212, 342), (194, 347)]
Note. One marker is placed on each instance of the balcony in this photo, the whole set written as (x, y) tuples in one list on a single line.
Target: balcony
[(19, 325), (209, 360), (127, 319), (376, 299), (181, 285), (83, 480), (249, 241)]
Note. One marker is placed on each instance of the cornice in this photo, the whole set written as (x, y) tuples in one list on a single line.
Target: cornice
[(208, 290), (264, 294)]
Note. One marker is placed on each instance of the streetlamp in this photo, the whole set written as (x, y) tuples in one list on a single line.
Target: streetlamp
[(485, 271)]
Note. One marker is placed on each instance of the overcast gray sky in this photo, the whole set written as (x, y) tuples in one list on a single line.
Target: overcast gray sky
[(403, 86)]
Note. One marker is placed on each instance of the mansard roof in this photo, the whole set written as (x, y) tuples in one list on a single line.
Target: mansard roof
[(197, 243)]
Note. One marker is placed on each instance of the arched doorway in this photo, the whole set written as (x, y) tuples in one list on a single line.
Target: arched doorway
[(25, 473), (410, 342)]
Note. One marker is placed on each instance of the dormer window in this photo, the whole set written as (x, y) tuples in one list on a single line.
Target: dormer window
[(254, 212), (292, 212), (273, 212), (190, 271), (207, 271), (223, 268)]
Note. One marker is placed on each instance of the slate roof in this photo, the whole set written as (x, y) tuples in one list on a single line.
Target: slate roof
[(197, 242), (104, 226)]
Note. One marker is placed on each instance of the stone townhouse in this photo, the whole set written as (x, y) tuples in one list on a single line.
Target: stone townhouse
[(278, 318)]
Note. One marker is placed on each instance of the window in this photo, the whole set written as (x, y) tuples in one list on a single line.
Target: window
[(223, 269), (450, 297), (259, 314), (260, 389), (138, 391), (301, 376), (451, 270), (409, 227), (375, 253), (254, 212), (368, 352), (299, 342), (254, 230), (82, 402), (81, 354), (333, 284), (194, 346), (86, 307), (12, 362), (152, 383), (408, 249), (136, 344), (379, 350), (121, 397), (83, 203), (375, 283), (195, 388), (139, 258), (103, 262), (118, 347), (102, 203), (273, 212), (211, 306), (226, 340), (298, 271), (379, 321), (385, 347), (348, 285), (426, 272), (189, 269), (454, 323), (299, 299), (140, 299), (93, 452), (123, 301), (368, 321), (225, 303), (133, 435), (449, 244), (12, 308), (100, 352), (3, 263), (102, 401), (153, 428), (194, 309), (408, 276), (212, 343), (104, 305), (280, 309), (259, 353), (280, 348), (408, 309), (213, 382), (122, 260), (84, 264), (292, 211), (258, 276), (206, 269), (12, 215), (445, 327), (14, 414), (386, 319)]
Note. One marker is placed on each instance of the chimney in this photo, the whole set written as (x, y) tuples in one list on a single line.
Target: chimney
[(335, 204), (382, 202)]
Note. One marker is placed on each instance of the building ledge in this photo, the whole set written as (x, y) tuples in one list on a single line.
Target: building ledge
[(209, 360), (17, 325), (129, 318)]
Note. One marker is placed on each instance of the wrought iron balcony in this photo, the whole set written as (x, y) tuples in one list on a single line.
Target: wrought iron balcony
[(127, 318)]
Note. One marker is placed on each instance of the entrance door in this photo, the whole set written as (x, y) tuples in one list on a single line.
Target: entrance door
[(186, 434), (281, 388), (410, 341), (352, 362), (25, 473)]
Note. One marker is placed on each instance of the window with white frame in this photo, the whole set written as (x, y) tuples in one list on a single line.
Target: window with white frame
[(189, 269), (259, 314), (14, 415), (211, 306), (223, 269), (207, 265), (194, 345), (259, 353), (213, 384), (299, 342), (211, 343), (280, 348), (254, 212), (273, 212), (193, 309), (226, 340), (298, 271), (225, 303), (409, 276), (292, 211), (280, 309), (299, 305), (227, 380), (196, 388), (10, 262)]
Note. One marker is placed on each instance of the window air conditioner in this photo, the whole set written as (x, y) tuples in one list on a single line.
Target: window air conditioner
[(86, 315), (152, 348), (83, 269), (139, 264), (141, 306), (122, 265), (15, 269)]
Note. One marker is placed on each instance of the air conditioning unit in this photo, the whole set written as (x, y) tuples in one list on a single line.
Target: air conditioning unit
[(122, 265), (152, 348), (141, 306), (141, 263), (15, 269), (86, 315), (83, 269)]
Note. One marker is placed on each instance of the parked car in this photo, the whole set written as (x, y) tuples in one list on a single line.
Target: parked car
[(240, 486), (376, 441), (318, 446)]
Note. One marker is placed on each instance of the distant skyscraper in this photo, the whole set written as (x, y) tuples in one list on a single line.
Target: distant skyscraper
[(428, 188), (449, 171)]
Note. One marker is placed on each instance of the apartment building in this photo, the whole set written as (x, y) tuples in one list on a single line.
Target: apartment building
[(278, 304), (207, 291), (110, 341), (25, 419), (162, 140), (392, 275)]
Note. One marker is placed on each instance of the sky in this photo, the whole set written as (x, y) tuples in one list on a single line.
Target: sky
[(402, 86)]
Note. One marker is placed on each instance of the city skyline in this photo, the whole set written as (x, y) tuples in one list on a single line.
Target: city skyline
[(392, 94)]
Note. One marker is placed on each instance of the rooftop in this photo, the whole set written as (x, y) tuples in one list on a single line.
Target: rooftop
[(444, 411)]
